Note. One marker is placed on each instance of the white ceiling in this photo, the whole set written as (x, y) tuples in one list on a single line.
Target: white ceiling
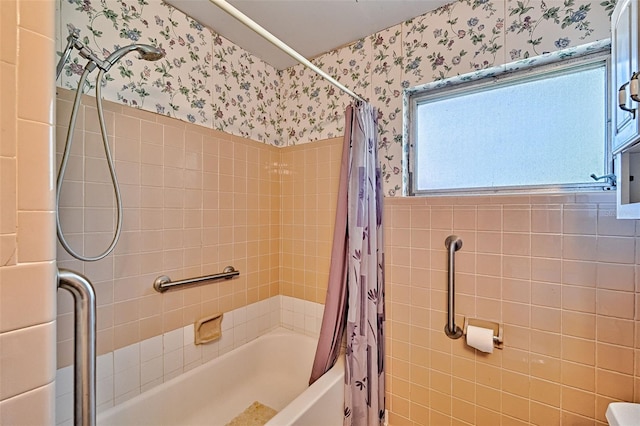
[(311, 27)]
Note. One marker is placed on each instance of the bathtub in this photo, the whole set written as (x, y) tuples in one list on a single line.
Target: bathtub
[(272, 369)]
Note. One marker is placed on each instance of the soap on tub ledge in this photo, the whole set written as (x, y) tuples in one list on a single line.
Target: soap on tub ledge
[(623, 414)]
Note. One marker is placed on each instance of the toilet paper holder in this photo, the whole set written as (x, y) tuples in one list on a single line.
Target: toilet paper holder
[(496, 327)]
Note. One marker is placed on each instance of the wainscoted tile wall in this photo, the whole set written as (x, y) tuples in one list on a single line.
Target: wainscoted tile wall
[(559, 272), (128, 371), (195, 200)]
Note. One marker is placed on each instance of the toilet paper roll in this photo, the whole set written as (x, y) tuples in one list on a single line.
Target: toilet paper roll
[(480, 338)]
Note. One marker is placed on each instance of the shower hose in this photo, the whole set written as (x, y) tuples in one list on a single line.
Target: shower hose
[(112, 172)]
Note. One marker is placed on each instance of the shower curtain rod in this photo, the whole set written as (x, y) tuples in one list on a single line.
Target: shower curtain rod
[(251, 24)]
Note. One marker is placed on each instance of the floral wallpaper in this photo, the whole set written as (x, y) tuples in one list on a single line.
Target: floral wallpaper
[(207, 80), (203, 79), (462, 37)]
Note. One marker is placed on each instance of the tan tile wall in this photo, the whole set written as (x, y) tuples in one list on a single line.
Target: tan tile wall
[(27, 259), (310, 175), (558, 272), (195, 200)]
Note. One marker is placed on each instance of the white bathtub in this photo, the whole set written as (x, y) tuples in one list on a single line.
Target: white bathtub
[(272, 369)]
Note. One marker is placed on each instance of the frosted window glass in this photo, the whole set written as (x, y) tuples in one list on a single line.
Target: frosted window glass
[(545, 131)]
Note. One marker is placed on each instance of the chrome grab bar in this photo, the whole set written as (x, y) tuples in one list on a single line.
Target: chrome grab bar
[(164, 283), (453, 244), (84, 354)]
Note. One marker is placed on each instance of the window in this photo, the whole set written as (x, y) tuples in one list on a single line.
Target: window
[(540, 128)]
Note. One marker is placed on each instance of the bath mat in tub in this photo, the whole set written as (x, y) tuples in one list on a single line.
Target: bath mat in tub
[(256, 414)]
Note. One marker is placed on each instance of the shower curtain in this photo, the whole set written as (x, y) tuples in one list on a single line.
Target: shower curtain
[(356, 277)]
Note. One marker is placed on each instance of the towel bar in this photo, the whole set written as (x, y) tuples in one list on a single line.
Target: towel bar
[(164, 283)]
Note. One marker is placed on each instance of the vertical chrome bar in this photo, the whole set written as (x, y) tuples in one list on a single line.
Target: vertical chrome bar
[(453, 244), (84, 355)]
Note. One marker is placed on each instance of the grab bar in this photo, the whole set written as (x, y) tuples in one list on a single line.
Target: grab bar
[(164, 283), (84, 354), (453, 244)]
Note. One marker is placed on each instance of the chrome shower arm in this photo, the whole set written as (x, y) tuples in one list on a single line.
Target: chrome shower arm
[(65, 55), (73, 42)]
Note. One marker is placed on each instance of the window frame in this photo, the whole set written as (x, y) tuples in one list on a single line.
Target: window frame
[(526, 70)]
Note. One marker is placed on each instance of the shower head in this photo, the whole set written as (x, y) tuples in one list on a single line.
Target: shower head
[(148, 53)]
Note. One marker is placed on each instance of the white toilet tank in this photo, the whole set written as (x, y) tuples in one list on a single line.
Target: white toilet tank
[(623, 414)]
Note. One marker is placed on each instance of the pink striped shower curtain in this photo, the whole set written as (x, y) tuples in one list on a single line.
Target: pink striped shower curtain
[(356, 276)]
